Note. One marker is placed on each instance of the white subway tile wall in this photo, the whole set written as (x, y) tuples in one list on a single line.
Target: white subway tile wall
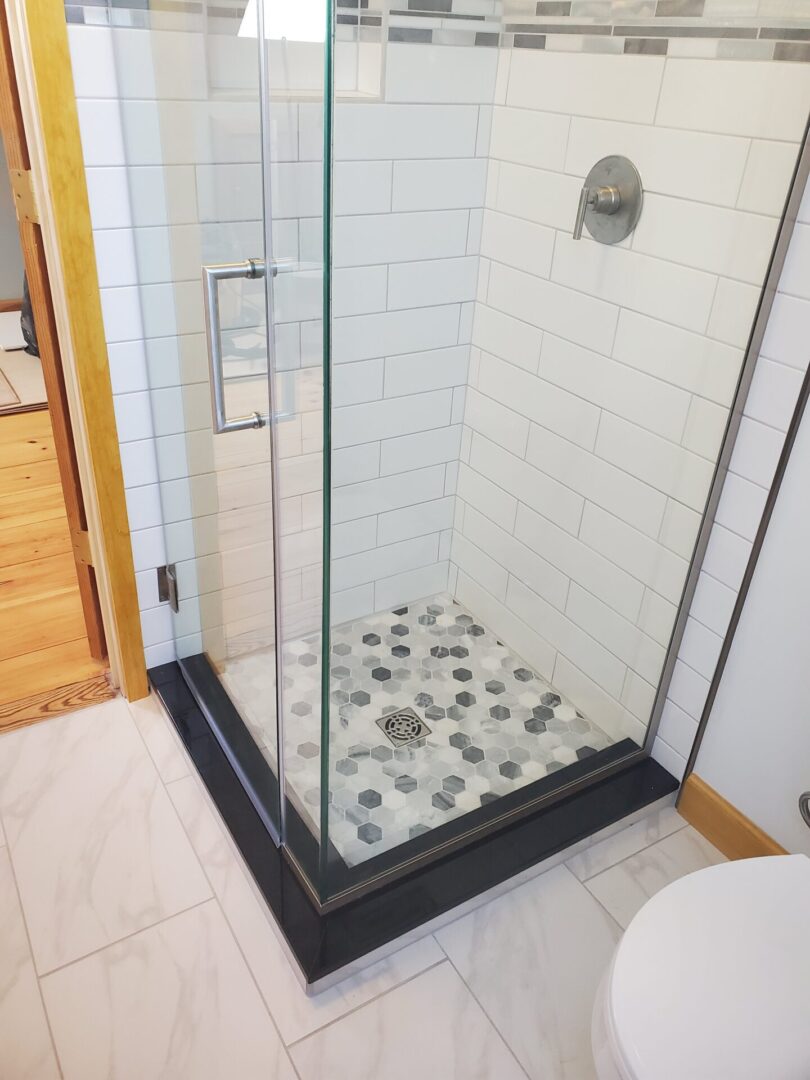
[(601, 377), (560, 496)]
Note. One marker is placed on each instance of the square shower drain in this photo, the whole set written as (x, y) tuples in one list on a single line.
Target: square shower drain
[(403, 726)]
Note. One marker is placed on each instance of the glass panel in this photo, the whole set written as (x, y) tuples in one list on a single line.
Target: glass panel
[(525, 425), (296, 205), (191, 120)]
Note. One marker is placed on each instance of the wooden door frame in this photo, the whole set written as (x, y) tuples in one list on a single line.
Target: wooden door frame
[(40, 130)]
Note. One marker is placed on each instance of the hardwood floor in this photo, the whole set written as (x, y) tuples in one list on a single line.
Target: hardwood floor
[(45, 662)]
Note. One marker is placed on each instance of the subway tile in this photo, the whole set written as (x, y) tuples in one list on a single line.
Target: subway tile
[(634, 501), (353, 384), (713, 604), (536, 572), (363, 337), (437, 281), (756, 452), (659, 463), (679, 529), (390, 417), (517, 243), (726, 556), (377, 238), (677, 729), (496, 422), (741, 505), (638, 696), (686, 164), (705, 428), (108, 195), (478, 565), (530, 137), (438, 74), (353, 464), (692, 361), (794, 277), (383, 561), (640, 652), (676, 294), (733, 310), (524, 639), (546, 198), (787, 331), (414, 521), (575, 315), (606, 580), (420, 449), (688, 690), (735, 97), (773, 394), (393, 132), (767, 177), (586, 84), (539, 399), (444, 184), (647, 561), (477, 490), (592, 700), (656, 617), (356, 290), (700, 648), (537, 489), (621, 390), (101, 132), (379, 495), (670, 759), (364, 187), (718, 240), (506, 337), (410, 585)]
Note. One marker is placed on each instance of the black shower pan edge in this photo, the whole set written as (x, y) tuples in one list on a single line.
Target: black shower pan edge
[(324, 942)]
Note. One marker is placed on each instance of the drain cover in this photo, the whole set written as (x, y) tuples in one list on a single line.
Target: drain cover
[(403, 726)]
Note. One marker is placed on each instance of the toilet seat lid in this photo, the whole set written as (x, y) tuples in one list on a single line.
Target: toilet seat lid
[(711, 981)]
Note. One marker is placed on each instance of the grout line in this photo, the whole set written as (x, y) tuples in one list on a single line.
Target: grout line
[(31, 957)]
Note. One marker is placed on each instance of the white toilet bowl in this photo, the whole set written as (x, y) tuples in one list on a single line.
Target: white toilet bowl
[(711, 980)]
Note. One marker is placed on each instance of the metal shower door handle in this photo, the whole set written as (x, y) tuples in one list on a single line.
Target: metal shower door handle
[(212, 275)]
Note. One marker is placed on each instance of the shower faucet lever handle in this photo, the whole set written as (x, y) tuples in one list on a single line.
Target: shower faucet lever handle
[(600, 200)]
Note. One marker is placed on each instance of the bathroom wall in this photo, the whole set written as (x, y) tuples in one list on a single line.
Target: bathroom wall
[(756, 748), (601, 377), (745, 726)]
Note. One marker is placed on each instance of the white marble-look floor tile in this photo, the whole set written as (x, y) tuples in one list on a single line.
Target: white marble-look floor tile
[(174, 1002), (97, 847), (624, 888), (26, 1051), (634, 838), (295, 1014), (161, 741), (534, 959), (431, 1026)]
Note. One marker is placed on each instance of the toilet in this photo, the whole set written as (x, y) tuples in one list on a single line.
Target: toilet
[(711, 980)]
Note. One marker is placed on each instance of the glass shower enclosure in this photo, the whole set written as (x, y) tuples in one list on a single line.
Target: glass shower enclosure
[(445, 309)]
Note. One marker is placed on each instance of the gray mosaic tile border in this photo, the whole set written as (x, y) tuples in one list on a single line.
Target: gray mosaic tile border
[(633, 27)]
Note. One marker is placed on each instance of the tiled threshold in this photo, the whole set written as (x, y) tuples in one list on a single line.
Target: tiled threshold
[(324, 943)]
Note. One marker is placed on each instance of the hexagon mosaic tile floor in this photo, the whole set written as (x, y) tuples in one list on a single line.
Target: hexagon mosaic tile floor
[(432, 717)]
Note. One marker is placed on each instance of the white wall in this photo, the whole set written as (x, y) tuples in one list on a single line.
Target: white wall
[(777, 379), (601, 376), (756, 748), (11, 265)]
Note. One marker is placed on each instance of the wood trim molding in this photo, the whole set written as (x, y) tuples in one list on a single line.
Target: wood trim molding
[(48, 110), (10, 305), (722, 823)]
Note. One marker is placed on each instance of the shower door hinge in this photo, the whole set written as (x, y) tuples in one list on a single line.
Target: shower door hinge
[(167, 586), (25, 202)]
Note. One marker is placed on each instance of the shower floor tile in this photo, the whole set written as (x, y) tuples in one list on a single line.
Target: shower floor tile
[(471, 722)]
